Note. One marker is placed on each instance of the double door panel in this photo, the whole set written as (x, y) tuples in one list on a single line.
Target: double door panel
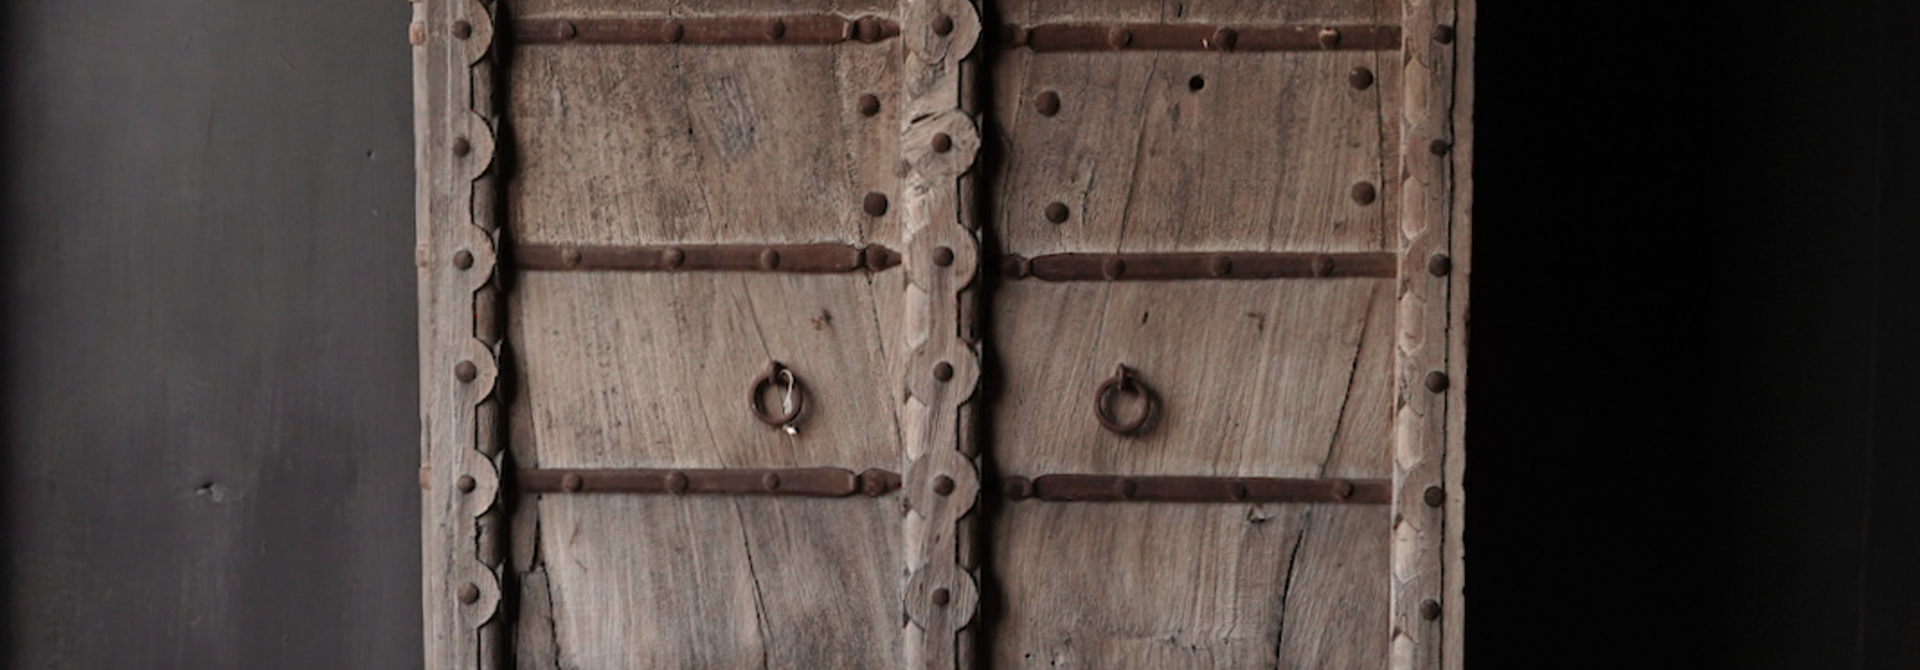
[(881, 334)]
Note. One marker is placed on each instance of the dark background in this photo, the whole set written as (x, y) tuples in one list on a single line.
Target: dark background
[(1693, 433)]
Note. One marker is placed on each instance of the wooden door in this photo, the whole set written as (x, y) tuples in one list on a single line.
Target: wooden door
[(921, 333)]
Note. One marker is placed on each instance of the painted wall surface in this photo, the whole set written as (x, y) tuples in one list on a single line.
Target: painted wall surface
[(1692, 433)]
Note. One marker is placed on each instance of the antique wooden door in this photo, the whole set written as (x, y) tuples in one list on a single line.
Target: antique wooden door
[(943, 334)]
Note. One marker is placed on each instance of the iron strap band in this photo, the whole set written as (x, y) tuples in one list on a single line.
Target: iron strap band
[(803, 258), (1178, 489), (806, 482)]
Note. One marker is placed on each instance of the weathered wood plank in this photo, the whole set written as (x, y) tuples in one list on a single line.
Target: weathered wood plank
[(653, 370), (1422, 390), (1254, 379), (1460, 245), (650, 582), (663, 144)]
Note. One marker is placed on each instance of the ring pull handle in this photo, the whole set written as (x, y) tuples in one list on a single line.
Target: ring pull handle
[(792, 400), (1123, 381)]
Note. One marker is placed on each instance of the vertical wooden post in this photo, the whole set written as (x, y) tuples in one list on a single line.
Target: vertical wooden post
[(942, 483), (1453, 638), (459, 413), (1421, 371)]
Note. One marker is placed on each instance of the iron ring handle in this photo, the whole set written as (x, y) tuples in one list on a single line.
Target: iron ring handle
[(1122, 381), (785, 419)]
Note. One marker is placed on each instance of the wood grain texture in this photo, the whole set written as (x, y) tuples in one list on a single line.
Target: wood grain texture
[(455, 153), (684, 144), (1460, 245), (1420, 409), (1198, 586), (1254, 379), (1190, 151)]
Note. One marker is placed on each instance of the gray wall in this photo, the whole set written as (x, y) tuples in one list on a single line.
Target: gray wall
[(1693, 431), (209, 385)]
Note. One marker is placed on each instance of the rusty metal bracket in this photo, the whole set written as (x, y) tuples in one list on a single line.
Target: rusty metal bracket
[(802, 258), (1174, 489), (805, 482), (715, 30), (1175, 266), (1201, 37)]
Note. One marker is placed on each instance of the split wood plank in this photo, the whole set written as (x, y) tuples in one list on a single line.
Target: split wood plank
[(1201, 586)]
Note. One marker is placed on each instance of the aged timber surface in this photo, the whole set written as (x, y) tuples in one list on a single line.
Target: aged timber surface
[(1198, 152)]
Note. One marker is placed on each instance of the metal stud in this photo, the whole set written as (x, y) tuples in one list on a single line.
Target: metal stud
[(567, 31), (465, 483), (1436, 381), (675, 32), (1016, 267), (1125, 488), (941, 597), (872, 483), (1118, 38), (1439, 265), (769, 259), (1430, 610), (469, 594), (465, 371), (777, 29), (461, 147), (1360, 78), (1323, 266), (1342, 489), (875, 204), (1329, 38), (572, 483), (463, 259), (1220, 266), (943, 256), (1223, 39), (1237, 491), (942, 143), (677, 482), (943, 371), (771, 482), (1113, 268), (1443, 34), (1048, 104), (943, 485), (1440, 147), (867, 29), (1435, 496), (570, 257), (673, 257), (869, 104), (1057, 212), (943, 25), (462, 29), (1017, 488), (1364, 193)]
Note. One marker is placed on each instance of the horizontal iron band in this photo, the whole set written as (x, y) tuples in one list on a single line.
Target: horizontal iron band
[(805, 258), (1116, 488), (718, 30), (806, 482), (1200, 37), (1223, 265)]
